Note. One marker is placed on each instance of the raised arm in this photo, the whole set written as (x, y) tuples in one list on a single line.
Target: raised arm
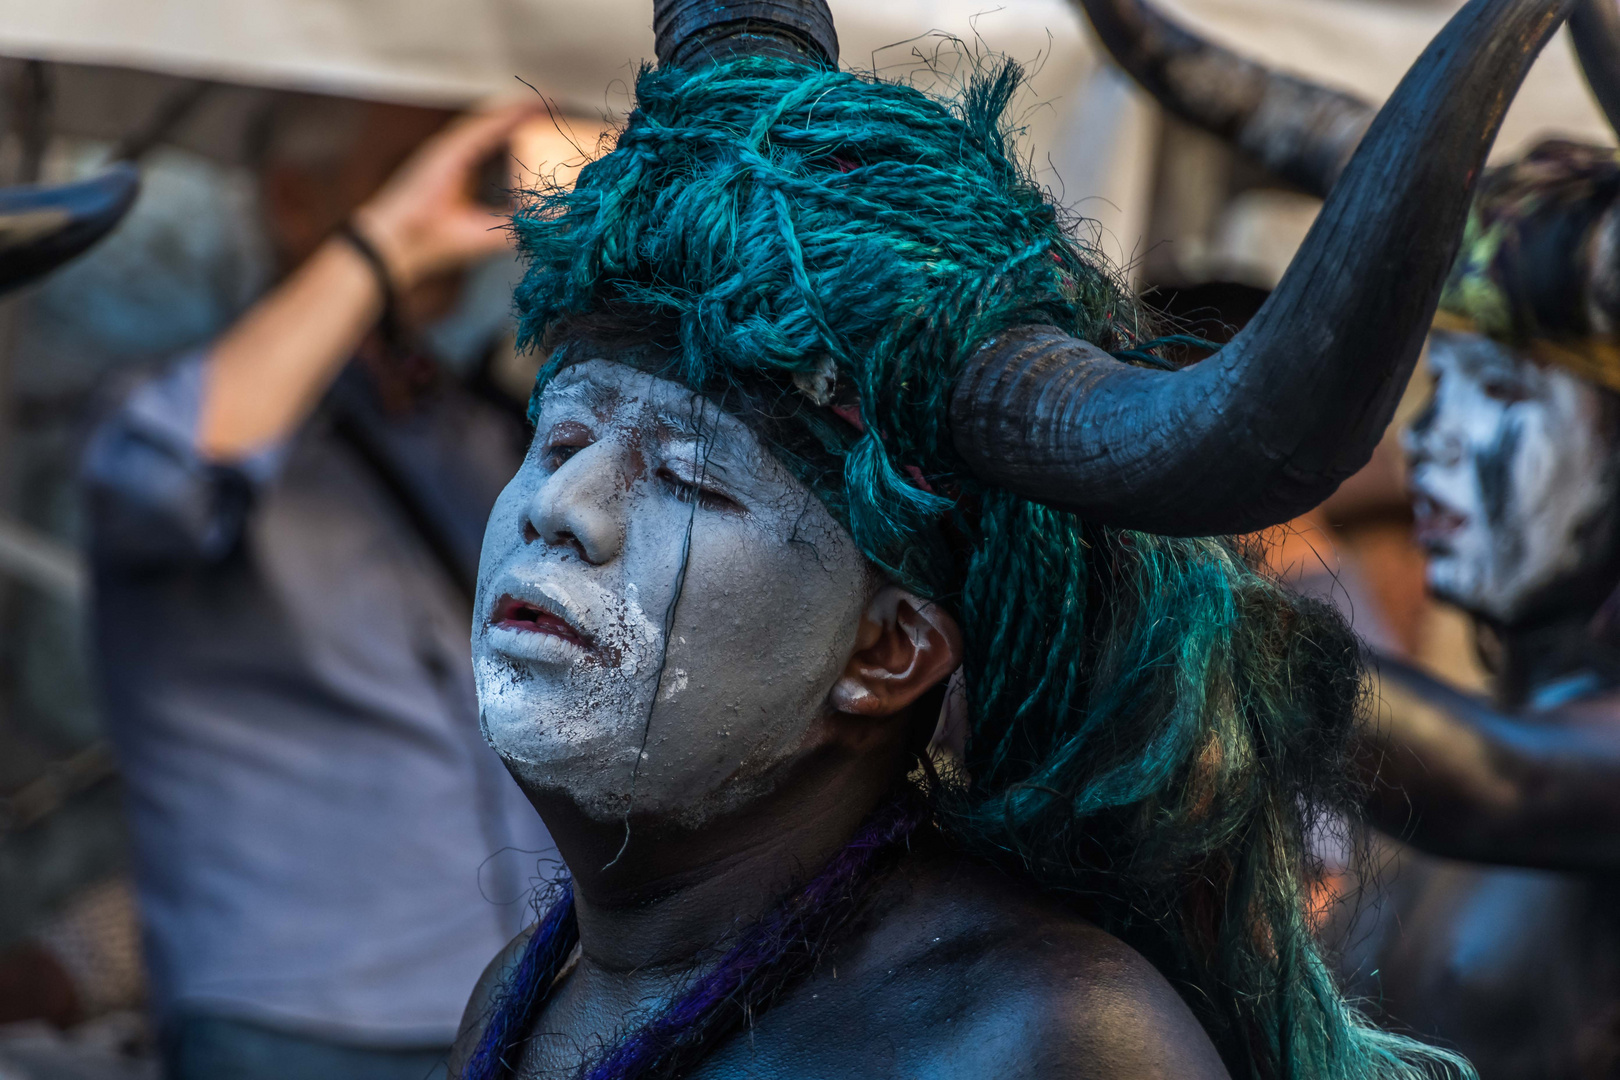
[(262, 379), (1454, 777)]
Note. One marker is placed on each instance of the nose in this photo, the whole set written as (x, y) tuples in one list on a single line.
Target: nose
[(581, 505)]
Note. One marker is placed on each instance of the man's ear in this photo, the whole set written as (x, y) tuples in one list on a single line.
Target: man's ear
[(905, 646)]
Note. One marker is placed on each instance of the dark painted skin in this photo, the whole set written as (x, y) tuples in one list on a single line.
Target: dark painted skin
[(1513, 956), (952, 971), (1497, 932)]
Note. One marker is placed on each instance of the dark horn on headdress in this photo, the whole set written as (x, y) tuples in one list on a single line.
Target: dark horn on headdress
[(1271, 424), (1298, 130), (695, 32), (1594, 25), (43, 227)]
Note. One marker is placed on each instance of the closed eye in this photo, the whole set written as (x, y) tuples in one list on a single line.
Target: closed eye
[(707, 498), (563, 441), (556, 455)]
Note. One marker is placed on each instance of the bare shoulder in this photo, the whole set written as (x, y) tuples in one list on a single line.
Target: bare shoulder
[(1029, 989), (1096, 1008), (476, 1015)]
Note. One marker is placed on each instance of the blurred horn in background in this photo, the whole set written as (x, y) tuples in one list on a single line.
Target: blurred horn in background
[(1594, 25), (1298, 130), (43, 227)]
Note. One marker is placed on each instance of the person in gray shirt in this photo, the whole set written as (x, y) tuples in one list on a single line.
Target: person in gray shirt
[(283, 531)]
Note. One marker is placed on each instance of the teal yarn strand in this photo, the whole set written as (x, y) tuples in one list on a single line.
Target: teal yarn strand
[(1155, 723)]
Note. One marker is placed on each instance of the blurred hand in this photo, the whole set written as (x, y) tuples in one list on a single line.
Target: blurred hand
[(425, 220)]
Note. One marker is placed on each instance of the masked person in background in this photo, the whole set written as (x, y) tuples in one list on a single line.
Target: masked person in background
[(835, 413), (284, 528), (1515, 472), (1512, 957)]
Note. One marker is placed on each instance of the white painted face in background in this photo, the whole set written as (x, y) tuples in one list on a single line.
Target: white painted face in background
[(1511, 475), (662, 608)]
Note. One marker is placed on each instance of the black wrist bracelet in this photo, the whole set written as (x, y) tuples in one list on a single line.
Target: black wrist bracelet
[(388, 322)]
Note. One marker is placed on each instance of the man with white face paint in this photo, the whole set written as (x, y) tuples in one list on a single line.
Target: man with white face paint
[(1514, 955)]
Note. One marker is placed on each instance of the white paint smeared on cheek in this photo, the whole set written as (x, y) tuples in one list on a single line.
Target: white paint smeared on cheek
[(639, 636), (540, 717), (1559, 481), (676, 681), (560, 713)]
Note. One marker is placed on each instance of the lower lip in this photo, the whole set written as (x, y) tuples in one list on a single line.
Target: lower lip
[(521, 641), (1431, 531)]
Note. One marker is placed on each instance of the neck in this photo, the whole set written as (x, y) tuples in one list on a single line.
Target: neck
[(663, 897), (1529, 657)]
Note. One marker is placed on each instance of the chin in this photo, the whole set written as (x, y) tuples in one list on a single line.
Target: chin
[(597, 785), (535, 741), (1450, 582)]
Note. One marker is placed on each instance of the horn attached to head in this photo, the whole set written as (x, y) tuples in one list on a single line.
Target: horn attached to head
[(1272, 423), (1594, 26), (43, 227), (695, 32)]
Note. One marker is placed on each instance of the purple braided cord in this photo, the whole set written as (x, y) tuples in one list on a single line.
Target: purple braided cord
[(791, 936), (526, 991), (786, 942)]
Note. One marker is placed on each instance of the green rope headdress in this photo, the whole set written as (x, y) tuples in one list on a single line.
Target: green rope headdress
[(841, 238), (1538, 268), (864, 274)]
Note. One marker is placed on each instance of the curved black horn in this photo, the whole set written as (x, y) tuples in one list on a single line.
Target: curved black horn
[(43, 227), (1594, 26), (1269, 426), (694, 32), (1298, 130)]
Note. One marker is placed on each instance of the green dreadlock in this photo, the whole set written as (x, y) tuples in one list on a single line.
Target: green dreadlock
[(1154, 722)]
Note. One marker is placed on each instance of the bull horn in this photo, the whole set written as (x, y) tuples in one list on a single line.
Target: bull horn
[(1271, 424), (43, 227), (1594, 25), (1299, 131), (695, 32)]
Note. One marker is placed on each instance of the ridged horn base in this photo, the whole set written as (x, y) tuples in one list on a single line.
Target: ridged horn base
[(691, 33)]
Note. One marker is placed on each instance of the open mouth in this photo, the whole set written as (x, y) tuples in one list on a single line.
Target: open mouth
[(1433, 523), (514, 614)]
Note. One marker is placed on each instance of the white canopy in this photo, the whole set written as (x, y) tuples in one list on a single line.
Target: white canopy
[(456, 51), (1090, 134)]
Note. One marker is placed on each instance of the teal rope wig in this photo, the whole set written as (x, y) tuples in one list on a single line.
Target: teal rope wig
[(1154, 722)]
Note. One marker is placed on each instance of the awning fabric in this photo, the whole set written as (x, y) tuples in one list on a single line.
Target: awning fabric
[(1089, 134)]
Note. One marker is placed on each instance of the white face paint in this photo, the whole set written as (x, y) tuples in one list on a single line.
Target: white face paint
[(630, 481), (1511, 476)]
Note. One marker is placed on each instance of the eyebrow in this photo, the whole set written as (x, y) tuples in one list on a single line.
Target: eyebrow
[(696, 418), (689, 424), (712, 437), (596, 396), (1480, 359)]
